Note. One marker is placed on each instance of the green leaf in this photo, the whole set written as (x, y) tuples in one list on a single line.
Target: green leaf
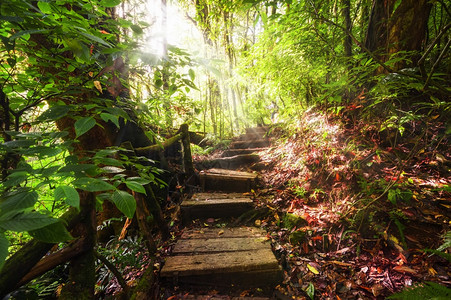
[(54, 113), (139, 180), (26, 221), (125, 203), (95, 38), (192, 75), (78, 169), (83, 125), (110, 3), (4, 245), (19, 144), (26, 32), (310, 291), (92, 184), (17, 201), (43, 151), (15, 179), (136, 29), (135, 186), (45, 7), (69, 194), (158, 83), (53, 233), (109, 117)]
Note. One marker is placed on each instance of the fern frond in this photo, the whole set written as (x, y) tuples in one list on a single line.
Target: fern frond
[(424, 291)]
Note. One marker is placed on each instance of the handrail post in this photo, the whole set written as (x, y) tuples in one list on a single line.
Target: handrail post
[(187, 157)]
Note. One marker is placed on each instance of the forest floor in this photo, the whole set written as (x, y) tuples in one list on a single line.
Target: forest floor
[(351, 210)]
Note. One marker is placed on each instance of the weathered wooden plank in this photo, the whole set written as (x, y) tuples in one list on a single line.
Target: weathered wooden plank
[(218, 244), (220, 263), (206, 196), (227, 180), (237, 232), (231, 173), (233, 152), (215, 208), (250, 144)]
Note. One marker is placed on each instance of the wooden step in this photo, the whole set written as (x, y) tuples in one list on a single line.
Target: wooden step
[(251, 136), (250, 144), (230, 163), (233, 152), (227, 180), (223, 257), (215, 205), (257, 130)]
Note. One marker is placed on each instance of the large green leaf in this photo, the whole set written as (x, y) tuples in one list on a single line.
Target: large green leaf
[(78, 169), (53, 233), (17, 201), (135, 186), (110, 117), (16, 178), (45, 7), (110, 3), (125, 203), (54, 113), (69, 194), (83, 125), (92, 184), (94, 38), (4, 245), (26, 221), (43, 151)]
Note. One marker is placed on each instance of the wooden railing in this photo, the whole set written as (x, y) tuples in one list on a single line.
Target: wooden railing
[(183, 135)]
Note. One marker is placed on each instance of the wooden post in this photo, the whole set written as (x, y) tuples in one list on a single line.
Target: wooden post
[(187, 157)]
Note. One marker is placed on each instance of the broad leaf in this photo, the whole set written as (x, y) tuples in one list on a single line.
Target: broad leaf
[(45, 7), (92, 184), (135, 186), (18, 201), (110, 117), (83, 125), (77, 169), (53, 233), (15, 179), (110, 3), (94, 38), (69, 194), (54, 113), (26, 222), (125, 203)]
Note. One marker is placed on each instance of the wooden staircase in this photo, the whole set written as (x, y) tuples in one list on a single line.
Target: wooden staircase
[(225, 258)]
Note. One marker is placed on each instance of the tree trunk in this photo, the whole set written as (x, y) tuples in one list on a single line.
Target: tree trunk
[(82, 278), (348, 26), (393, 29)]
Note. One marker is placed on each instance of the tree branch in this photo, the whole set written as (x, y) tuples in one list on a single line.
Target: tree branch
[(51, 261)]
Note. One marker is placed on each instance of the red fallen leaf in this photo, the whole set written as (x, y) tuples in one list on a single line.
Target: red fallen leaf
[(404, 269), (104, 31), (337, 177), (305, 247), (317, 238)]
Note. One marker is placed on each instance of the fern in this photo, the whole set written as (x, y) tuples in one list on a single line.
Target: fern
[(446, 242), (440, 250), (425, 291)]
